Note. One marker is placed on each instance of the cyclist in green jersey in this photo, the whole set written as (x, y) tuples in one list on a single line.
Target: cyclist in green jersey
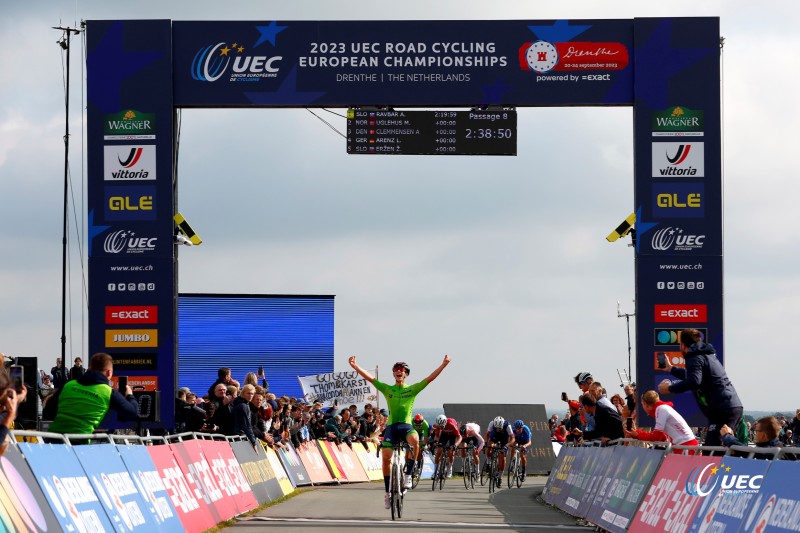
[(400, 400), (422, 428)]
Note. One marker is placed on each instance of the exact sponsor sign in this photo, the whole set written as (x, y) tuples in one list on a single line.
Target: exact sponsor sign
[(131, 338), (131, 314), (129, 162), (681, 313)]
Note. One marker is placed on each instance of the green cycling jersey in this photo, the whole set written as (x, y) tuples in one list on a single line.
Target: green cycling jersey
[(400, 400)]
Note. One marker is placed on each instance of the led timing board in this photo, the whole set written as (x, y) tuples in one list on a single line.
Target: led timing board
[(477, 132)]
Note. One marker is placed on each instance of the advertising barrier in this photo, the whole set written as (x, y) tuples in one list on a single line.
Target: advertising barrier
[(293, 465), (183, 492), (370, 462), (228, 473), (284, 482), (150, 485), (111, 480), (777, 506), (314, 463), (258, 471), (23, 505), (66, 487)]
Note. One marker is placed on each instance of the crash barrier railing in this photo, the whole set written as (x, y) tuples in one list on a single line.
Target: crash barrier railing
[(620, 487), (184, 482)]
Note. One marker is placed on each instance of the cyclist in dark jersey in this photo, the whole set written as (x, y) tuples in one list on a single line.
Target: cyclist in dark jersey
[(400, 400)]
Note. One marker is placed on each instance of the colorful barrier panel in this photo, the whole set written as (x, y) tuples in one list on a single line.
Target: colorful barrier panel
[(370, 462), (314, 463), (777, 507), (280, 474), (66, 487), (23, 505), (111, 480), (258, 471), (229, 474), (293, 465), (185, 495), (735, 488), (150, 485), (553, 492), (619, 494), (672, 499)]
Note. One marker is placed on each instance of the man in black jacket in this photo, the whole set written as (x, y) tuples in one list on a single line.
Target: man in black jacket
[(705, 376), (607, 421)]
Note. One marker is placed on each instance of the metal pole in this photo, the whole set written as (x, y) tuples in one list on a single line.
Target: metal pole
[(64, 43)]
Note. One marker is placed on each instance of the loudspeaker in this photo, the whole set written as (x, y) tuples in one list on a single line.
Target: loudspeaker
[(149, 405), (27, 413)]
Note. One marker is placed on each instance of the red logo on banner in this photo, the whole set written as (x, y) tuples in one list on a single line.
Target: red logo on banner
[(681, 313), (131, 314), (542, 56)]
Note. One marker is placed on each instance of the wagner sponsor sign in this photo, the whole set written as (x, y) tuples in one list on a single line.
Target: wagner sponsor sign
[(347, 387)]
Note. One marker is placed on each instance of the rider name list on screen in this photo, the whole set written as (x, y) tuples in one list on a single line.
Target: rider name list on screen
[(475, 132)]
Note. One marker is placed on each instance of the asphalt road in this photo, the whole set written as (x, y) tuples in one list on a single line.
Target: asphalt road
[(359, 507)]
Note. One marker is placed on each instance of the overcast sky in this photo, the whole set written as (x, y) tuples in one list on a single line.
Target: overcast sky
[(500, 262)]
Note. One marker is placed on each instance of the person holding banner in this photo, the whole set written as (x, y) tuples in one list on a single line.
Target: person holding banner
[(400, 400)]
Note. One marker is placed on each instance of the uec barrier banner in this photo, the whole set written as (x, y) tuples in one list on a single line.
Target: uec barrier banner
[(184, 493), (111, 480), (66, 487), (315, 465), (777, 506), (23, 505), (152, 488), (735, 486), (599, 468), (293, 465), (557, 482), (675, 494), (624, 486)]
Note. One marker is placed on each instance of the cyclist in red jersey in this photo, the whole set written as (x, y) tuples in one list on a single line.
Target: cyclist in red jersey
[(446, 433)]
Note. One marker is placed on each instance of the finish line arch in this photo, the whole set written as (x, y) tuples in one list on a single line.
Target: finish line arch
[(139, 72)]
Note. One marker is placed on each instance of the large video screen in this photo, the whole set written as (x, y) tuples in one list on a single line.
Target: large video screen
[(289, 336)]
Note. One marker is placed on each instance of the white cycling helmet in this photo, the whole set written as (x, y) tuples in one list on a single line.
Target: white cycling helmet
[(498, 422), (441, 421)]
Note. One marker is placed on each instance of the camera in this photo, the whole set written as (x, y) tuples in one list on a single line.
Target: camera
[(662, 359)]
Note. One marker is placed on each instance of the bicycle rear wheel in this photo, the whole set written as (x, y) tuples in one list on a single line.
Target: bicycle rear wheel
[(416, 473), (484, 471), (519, 473)]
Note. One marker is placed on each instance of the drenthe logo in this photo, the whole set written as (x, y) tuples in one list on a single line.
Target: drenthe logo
[(213, 61)]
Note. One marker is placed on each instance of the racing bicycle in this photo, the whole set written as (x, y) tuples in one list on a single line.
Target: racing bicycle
[(514, 474)]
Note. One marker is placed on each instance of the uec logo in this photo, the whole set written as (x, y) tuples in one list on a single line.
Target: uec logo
[(211, 63)]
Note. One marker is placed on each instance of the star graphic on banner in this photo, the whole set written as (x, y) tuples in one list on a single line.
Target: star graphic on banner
[(657, 62), (559, 32), (116, 64), (713, 471), (286, 94), (268, 33), (493, 94), (94, 231), (642, 227)]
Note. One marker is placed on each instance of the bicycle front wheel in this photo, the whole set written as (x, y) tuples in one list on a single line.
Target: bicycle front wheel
[(393, 494), (466, 471), (492, 473), (512, 470), (416, 474)]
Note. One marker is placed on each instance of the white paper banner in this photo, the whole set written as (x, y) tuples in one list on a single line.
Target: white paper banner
[(347, 388)]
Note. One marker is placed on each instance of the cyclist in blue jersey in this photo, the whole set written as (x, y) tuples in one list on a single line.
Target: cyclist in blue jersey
[(499, 435), (522, 437), (400, 400)]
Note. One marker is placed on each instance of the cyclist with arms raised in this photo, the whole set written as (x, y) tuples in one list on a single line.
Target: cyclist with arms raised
[(522, 437), (499, 435), (400, 400), (445, 432)]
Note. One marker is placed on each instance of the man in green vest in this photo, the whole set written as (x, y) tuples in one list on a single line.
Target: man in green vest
[(80, 405)]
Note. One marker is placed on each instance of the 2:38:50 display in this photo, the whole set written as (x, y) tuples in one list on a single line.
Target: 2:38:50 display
[(489, 133)]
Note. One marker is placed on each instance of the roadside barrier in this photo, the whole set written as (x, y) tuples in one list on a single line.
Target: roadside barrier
[(625, 487), (186, 482)]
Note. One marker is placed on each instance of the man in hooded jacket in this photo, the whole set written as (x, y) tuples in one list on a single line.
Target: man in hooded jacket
[(706, 378)]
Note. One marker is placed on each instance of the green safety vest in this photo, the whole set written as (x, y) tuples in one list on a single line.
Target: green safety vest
[(81, 407)]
